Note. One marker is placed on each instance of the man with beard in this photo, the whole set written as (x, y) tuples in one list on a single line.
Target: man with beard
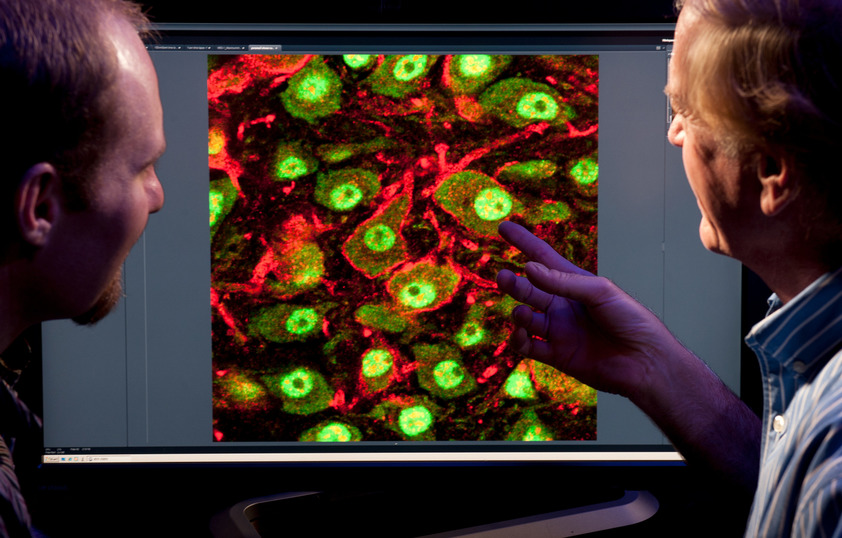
[(84, 130)]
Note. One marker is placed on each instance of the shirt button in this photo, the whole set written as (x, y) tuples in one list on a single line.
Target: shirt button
[(779, 423), (799, 367)]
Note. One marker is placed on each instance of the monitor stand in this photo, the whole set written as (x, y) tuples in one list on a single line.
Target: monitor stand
[(243, 520)]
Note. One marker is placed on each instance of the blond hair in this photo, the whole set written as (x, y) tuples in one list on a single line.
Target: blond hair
[(767, 75)]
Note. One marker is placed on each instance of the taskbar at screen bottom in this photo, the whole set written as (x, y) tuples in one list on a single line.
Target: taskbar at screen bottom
[(368, 457)]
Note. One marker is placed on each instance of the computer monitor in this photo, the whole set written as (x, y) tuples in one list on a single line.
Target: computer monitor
[(340, 307)]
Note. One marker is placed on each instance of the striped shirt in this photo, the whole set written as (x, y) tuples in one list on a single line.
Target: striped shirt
[(799, 346)]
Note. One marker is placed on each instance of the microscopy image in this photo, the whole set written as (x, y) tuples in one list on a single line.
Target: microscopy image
[(354, 202)]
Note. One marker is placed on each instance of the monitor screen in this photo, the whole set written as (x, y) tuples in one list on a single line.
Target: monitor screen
[(319, 286)]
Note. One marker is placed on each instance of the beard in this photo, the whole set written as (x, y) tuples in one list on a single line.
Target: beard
[(105, 303)]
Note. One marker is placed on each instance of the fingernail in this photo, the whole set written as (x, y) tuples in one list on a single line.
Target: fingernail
[(537, 267)]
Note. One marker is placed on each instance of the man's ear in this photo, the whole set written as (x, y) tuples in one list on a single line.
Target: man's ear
[(777, 183), (38, 203)]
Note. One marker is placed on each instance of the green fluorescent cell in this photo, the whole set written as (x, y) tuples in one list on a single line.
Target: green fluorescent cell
[(302, 321), (346, 196), (246, 390), (356, 61), (377, 362), (345, 189), (221, 197), (379, 238), (415, 420), (470, 334), (533, 102), (492, 204), (557, 211), (423, 285), (292, 161), (216, 141), (380, 317), (530, 170), (312, 87), (410, 67), (474, 65), (313, 93), (242, 391), (298, 383), (441, 372), (303, 391), (448, 374), (217, 202), (335, 432), (291, 167), (477, 201), (530, 428), (417, 294), (376, 245), (537, 432), (519, 385), (537, 106), (331, 431), (471, 73), (306, 265), (585, 172)]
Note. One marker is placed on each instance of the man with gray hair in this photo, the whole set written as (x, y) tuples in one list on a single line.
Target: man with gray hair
[(755, 89), (84, 130)]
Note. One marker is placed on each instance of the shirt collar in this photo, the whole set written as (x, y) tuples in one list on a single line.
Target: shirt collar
[(808, 329)]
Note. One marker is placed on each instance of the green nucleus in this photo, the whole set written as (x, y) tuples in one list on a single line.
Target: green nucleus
[(417, 294), (537, 106), (448, 374), (302, 321), (379, 238), (377, 362), (415, 420), (519, 385), (292, 161), (335, 432), (346, 196), (470, 334), (291, 167), (492, 204), (312, 87), (537, 432), (331, 431), (410, 67), (298, 383), (474, 65), (357, 61), (585, 172)]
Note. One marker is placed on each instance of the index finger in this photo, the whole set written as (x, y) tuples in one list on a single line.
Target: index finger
[(536, 249)]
